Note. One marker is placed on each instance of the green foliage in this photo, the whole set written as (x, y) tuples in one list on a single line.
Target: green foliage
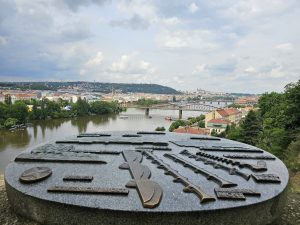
[(101, 107), (275, 127), (7, 100), (237, 106), (82, 107), (10, 122), (233, 132), (292, 93), (201, 124), (177, 124), (147, 102), (198, 121), (291, 157), (45, 109), (274, 140), (273, 106), (160, 129), (251, 128), (19, 111)]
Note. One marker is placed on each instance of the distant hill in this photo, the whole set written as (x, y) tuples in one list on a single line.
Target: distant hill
[(91, 86)]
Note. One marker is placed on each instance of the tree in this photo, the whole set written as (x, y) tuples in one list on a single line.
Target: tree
[(82, 107), (7, 100), (176, 124), (160, 129), (251, 128), (174, 98), (10, 122), (292, 92), (19, 111)]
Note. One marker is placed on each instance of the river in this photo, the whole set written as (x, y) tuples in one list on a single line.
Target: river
[(13, 142)]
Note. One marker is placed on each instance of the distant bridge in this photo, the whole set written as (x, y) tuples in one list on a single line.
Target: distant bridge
[(181, 106)]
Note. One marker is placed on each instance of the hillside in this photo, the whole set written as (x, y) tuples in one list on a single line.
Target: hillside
[(91, 86)]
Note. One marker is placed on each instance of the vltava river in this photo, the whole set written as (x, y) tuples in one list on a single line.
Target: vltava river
[(13, 142)]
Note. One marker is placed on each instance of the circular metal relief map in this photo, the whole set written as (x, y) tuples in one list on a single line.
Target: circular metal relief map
[(147, 178)]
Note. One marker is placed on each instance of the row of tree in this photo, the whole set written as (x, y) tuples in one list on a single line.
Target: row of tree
[(194, 121), (275, 126), (20, 112)]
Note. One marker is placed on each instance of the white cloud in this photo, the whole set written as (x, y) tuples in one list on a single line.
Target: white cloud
[(250, 69), (172, 21), (193, 39), (193, 7), (174, 42), (130, 64), (285, 47), (199, 68), (95, 61)]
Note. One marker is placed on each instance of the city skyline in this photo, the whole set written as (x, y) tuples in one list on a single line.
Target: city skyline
[(228, 46)]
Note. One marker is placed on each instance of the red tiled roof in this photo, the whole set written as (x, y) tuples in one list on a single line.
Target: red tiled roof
[(219, 121), (228, 112), (192, 130)]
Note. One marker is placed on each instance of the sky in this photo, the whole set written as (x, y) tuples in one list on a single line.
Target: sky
[(248, 46)]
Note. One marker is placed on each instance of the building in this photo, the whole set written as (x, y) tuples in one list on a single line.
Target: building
[(230, 114), (193, 130), (251, 100), (217, 125)]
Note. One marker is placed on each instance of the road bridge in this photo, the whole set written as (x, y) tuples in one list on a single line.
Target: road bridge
[(181, 106)]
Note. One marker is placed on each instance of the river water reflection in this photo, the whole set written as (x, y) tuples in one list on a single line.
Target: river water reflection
[(12, 143)]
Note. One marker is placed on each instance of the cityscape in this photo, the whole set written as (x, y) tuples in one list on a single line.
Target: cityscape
[(137, 112)]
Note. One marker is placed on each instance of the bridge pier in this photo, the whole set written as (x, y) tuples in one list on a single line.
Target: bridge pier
[(180, 114), (147, 110)]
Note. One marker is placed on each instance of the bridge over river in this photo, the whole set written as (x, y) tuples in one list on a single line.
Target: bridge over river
[(200, 106)]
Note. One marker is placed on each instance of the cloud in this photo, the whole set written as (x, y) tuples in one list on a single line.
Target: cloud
[(74, 5), (3, 41), (193, 7), (95, 61), (192, 39), (172, 21), (250, 69), (242, 46), (285, 47), (135, 22), (217, 69), (130, 64)]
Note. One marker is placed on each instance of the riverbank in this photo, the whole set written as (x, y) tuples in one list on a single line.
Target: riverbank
[(290, 216)]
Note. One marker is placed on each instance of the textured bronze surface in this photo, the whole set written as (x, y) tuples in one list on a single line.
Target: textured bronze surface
[(149, 191), (35, 174), (189, 186), (93, 135), (112, 142), (266, 178), (210, 176), (149, 132), (201, 146), (98, 152), (131, 135), (231, 170), (78, 178), (88, 190), (235, 193), (25, 157), (154, 148), (261, 165), (240, 156), (206, 138)]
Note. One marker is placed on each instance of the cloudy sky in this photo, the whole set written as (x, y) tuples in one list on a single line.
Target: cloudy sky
[(226, 45)]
